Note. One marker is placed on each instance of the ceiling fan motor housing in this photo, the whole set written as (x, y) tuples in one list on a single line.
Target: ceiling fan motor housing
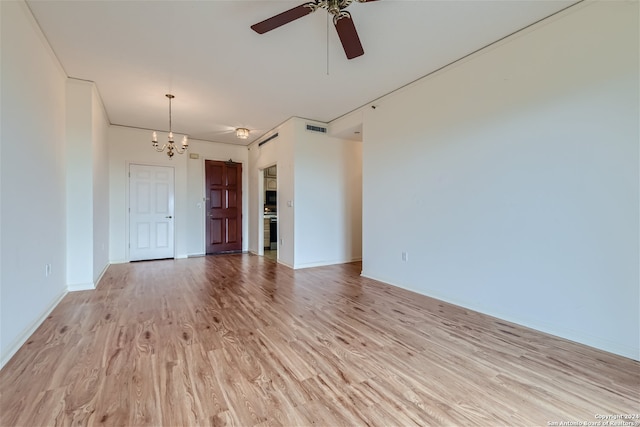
[(345, 27)]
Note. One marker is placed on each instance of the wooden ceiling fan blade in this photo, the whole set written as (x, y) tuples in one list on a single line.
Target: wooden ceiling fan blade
[(348, 36), (283, 18)]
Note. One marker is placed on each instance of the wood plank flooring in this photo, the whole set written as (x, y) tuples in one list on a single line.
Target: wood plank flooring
[(240, 340)]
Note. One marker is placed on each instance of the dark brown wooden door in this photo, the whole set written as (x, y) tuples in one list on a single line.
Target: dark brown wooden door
[(224, 206)]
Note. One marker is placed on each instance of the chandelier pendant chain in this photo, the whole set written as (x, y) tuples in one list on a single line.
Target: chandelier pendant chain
[(170, 98)]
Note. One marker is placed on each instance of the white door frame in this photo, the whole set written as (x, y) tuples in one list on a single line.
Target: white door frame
[(261, 201)]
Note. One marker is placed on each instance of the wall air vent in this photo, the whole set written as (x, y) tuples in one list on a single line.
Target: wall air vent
[(314, 128), (274, 136)]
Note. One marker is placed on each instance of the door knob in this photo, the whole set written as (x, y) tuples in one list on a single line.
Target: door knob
[(169, 217)]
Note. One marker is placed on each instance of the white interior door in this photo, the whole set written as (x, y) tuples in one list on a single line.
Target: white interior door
[(151, 205)]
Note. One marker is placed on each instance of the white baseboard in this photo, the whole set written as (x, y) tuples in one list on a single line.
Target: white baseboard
[(24, 336), (560, 331), (75, 287), (284, 263), (325, 263), (89, 286)]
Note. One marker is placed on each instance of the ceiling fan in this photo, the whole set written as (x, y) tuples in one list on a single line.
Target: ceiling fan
[(341, 19)]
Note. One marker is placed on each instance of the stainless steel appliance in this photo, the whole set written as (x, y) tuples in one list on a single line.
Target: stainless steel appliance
[(273, 233)]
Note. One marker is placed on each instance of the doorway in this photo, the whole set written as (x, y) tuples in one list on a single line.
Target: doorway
[(151, 212), (270, 212), (223, 181)]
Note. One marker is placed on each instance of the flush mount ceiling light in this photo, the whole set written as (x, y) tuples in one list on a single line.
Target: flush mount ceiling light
[(242, 133), (170, 146)]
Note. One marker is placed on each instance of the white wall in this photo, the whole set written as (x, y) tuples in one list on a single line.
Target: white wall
[(32, 220), (129, 145), (511, 179), (79, 185), (328, 193), (100, 151), (87, 185), (322, 178), (287, 238), (278, 151)]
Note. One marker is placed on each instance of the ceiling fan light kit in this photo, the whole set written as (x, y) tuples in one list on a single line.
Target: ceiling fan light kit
[(341, 20), (170, 146)]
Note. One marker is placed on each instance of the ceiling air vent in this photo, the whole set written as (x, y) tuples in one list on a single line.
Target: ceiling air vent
[(314, 128)]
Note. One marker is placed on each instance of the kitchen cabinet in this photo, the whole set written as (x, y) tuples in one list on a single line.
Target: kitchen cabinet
[(271, 184), (270, 178), (267, 233)]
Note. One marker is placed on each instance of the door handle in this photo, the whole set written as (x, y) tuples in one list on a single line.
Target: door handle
[(169, 217)]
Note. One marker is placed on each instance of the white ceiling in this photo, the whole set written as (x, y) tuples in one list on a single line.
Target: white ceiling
[(224, 75)]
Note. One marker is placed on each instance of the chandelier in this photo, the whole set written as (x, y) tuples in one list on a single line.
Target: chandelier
[(170, 145), (242, 133)]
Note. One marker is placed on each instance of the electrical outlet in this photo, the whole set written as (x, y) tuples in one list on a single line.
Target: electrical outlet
[(47, 270), (405, 256)]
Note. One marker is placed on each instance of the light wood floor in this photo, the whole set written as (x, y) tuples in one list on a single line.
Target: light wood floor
[(271, 254), (241, 340)]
